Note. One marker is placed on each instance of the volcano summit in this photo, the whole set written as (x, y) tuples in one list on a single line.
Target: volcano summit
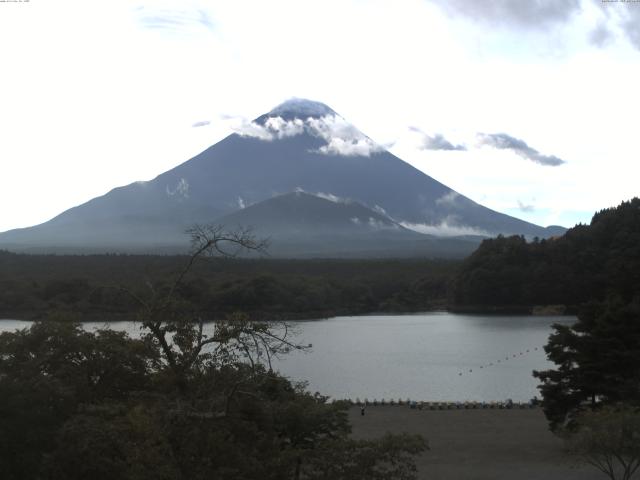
[(299, 146)]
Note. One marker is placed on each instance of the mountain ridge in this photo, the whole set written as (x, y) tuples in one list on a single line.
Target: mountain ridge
[(321, 226), (279, 153)]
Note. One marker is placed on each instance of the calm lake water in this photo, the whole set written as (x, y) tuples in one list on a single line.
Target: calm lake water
[(431, 356)]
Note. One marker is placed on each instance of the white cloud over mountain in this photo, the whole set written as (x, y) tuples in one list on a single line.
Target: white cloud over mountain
[(560, 74), (341, 137), (180, 191), (446, 228)]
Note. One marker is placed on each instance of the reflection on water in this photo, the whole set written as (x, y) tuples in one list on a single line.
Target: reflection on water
[(432, 356)]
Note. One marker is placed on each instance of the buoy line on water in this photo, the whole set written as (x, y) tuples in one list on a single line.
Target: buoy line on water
[(444, 405), (502, 360)]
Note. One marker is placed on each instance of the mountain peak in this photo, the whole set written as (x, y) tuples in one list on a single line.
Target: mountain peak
[(301, 108)]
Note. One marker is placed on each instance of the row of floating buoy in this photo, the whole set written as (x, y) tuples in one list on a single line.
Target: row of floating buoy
[(500, 360), (421, 405)]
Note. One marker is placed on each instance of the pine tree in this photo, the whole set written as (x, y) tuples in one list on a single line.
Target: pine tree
[(597, 358)]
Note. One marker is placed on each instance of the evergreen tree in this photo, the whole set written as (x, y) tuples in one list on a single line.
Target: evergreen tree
[(597, 358), (588, 263)]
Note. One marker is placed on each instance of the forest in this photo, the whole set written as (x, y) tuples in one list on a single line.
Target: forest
[(93, 287), (588, 263)]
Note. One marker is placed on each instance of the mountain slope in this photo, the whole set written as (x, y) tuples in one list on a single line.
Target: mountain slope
[(298, 145), (304, 225), (301, 212)]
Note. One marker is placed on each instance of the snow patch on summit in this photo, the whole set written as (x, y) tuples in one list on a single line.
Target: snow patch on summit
[(301, 107)]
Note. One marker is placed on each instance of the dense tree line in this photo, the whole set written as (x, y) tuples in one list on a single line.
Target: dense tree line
[(90, 287), (597, 361), (588, 263), (592, 395)]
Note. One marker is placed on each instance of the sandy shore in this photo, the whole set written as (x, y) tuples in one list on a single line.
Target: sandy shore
[(478, 444)]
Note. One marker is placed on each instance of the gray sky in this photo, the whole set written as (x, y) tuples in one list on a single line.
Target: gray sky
[(526, 107)]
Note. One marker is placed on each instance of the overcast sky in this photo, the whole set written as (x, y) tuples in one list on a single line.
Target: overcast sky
[(528, 107)]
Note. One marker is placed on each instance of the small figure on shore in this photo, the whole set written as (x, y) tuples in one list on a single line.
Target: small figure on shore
[(362, 410)]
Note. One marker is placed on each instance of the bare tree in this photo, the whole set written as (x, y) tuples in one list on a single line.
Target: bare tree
[(608, 439), (179, 333)]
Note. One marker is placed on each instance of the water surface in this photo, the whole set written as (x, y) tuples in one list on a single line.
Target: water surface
[(431, 356)]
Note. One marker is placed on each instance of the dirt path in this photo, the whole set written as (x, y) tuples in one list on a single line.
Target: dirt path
[(478, 444)]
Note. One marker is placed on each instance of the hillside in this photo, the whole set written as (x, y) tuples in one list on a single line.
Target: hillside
[(304, 225), (586, 263)]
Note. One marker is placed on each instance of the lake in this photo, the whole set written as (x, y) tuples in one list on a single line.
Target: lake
[(436, 356)]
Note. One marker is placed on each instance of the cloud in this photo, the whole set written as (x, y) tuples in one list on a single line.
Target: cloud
[(621, 16), (630, 22), (436, 142), (326, 196), (525, 208), (448, 199), (528, 14), (542, 15), (282, 128), (349, 147), (273, 128), (341, 137), (601, 36), (374, 223), (331, 197), (247, 128), (380, 210), (502, 141), (201, 123), (173, 20), (381, 224), (180, 191), (445, 229)]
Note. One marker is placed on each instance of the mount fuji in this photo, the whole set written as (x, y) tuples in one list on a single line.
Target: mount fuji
[(300, 158)]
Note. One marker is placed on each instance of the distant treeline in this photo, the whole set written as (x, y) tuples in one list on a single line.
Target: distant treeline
[(588, 263), (100, 287), (504, 274)]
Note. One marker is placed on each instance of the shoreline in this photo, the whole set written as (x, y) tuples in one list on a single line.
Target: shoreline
[(112, 317)]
